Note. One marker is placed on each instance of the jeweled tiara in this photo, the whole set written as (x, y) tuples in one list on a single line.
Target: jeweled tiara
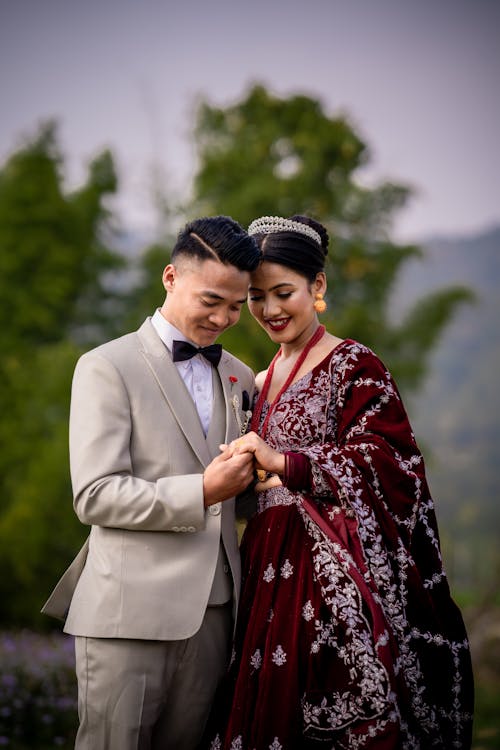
[(272, 224)]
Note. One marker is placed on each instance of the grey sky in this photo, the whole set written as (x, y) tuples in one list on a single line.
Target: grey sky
[(419, 80)]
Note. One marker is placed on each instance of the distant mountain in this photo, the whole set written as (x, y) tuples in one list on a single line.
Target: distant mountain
[(456, 415)]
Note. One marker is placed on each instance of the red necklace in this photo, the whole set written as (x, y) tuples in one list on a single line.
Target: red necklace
[(318, 333)]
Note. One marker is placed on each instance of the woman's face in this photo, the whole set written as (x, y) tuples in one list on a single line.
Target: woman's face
[(281, 301)]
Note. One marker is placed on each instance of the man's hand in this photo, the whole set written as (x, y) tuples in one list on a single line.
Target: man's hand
[(227, 475)]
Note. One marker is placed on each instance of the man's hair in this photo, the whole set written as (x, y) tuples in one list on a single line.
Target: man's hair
[(217, 238)]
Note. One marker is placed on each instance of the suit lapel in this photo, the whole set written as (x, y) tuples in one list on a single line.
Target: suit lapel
[(172, 386)]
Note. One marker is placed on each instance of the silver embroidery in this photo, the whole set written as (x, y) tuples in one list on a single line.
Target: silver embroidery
[(268, 574), (287, 569), (279, 656), (308, 611), (256, 660)]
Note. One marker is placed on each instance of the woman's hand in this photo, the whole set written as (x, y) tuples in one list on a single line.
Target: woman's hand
[(266, 458)]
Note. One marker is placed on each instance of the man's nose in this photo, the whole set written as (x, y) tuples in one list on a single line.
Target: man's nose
[(219, 318)]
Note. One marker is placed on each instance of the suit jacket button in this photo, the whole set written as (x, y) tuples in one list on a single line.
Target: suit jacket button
[(175, 528), (214, 510), (191, 528)]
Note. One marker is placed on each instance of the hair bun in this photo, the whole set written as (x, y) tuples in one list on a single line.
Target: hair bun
[(319, 228)]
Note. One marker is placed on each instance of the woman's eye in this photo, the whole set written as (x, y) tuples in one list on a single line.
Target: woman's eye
[(284, 295), (253, 298)]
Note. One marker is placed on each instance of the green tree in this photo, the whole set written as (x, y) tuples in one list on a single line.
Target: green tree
[(55, 267), (267, 155), (53, 260)]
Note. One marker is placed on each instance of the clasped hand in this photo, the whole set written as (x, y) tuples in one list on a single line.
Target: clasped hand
[(266, 459)]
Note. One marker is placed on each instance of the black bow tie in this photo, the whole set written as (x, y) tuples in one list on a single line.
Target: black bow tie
[(183, 350)]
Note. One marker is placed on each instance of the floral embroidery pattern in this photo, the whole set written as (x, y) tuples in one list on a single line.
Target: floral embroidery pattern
[(279, 656), (268, 574), (256, 660), (308, 611), (286, 569)]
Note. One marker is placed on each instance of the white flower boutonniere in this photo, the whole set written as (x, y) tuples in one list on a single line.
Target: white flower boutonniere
[(242, 417)]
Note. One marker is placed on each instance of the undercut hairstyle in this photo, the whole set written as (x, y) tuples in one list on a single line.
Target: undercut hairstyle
[(295, 250), (217, 238)]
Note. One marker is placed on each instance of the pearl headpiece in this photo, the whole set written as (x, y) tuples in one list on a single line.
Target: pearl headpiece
[(273, 224)]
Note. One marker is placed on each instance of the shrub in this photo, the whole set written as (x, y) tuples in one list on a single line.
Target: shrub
[(38, 694)]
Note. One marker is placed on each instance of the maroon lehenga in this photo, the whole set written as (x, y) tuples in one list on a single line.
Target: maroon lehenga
[(346, 638)]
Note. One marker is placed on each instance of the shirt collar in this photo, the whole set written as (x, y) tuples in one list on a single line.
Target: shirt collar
[(166, 331)]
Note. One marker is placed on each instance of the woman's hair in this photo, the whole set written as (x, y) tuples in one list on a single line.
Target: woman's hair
[(217, 238), (300, 243)]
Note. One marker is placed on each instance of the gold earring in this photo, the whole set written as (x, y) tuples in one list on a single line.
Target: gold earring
[(319, 303)]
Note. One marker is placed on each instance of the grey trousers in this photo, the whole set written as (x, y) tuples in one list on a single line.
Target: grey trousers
[(150, 695)]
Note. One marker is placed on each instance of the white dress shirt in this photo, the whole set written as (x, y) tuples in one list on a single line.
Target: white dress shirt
[(195, 372)]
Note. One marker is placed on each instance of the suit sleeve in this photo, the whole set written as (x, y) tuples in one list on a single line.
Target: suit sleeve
[(106, 492)]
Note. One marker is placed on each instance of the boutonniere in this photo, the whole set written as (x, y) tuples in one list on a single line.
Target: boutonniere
[(242, 417)]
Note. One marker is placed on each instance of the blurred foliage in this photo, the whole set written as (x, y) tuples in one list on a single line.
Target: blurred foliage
[(38, 693), (54, 302), (267, 155), (53, 260)]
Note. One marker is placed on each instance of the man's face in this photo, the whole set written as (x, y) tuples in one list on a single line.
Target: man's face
[(204, 298)]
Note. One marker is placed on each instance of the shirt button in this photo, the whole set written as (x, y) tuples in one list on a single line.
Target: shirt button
[(226, 568), (214, 510)]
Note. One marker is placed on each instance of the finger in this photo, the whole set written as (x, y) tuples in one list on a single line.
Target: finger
[(243, 459), (226, 453), (240, 446)]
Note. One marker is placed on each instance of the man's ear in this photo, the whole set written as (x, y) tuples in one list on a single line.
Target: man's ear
[(169, 277)]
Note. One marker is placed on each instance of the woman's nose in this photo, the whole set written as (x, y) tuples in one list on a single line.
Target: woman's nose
[(271, 308)]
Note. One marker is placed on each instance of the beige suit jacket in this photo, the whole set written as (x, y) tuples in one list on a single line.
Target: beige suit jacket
[(137, 455)]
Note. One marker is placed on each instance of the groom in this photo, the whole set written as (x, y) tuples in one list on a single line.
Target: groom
[(152, 595)]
